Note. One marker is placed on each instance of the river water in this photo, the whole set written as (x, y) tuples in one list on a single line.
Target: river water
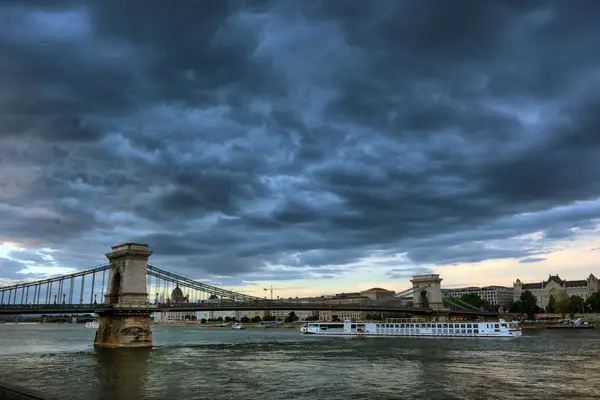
[(219, 363)]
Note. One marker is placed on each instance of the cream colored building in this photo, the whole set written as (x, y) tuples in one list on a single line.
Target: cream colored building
[(495, 295), (174, 316), (341, 315), (377, 293), (218, 314), (302, 314), (364, 296), (556, 287)]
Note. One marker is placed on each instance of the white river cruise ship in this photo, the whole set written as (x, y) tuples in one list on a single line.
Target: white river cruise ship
[(412, 328)]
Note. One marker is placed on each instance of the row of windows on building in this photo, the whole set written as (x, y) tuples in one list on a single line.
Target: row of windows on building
[(495, 295), (176, 316)]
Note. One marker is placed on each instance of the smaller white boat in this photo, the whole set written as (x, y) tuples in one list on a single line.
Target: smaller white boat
[(237, 326), (93, 324)]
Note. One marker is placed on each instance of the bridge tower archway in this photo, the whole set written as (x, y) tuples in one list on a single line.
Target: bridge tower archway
[(127, 323), (115, 288), (424, 300), (427, 291)]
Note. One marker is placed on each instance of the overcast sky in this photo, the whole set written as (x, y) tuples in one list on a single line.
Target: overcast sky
[(317, 146)]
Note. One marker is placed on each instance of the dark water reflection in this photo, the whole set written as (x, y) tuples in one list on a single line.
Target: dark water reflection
[(122, 372), (212, 363)]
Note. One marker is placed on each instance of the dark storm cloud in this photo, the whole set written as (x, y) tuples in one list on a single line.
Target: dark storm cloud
[(404, 273), (531, 260), (9, 269), (233, 136), (27, 256)]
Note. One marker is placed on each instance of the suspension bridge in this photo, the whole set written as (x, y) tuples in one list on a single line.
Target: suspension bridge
[(126, 291)]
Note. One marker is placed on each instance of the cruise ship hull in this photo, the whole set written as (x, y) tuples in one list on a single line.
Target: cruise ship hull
[(408, 336), (411, 328)]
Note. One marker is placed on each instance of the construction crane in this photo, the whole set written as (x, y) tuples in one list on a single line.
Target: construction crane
[(271, 288)]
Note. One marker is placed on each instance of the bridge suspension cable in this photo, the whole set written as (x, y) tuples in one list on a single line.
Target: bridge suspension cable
[(66, 289), (166, 276), (459, 305)]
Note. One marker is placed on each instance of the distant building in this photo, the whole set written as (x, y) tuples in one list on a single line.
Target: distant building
[(495, 295), (177, 296), (340, 298), (301, 314), (353, 298), (377, 293), (174, 316), (200, 315), (556, 287), (341, 315)]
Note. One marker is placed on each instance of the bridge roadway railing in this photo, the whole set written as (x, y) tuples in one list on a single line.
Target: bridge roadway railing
[(220, 305), (70, 289), (52, 308), (324, 306)]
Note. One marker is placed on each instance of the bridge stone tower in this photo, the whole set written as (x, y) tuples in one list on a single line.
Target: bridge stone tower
[(125, 324), (427, 291)]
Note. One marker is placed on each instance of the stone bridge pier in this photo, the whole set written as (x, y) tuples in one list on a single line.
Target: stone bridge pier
[(127, 323)]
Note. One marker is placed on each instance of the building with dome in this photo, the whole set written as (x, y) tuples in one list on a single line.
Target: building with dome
[(556, 287), (177, 296)]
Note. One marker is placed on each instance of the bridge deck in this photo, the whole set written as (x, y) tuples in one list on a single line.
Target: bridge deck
[(259, 306)]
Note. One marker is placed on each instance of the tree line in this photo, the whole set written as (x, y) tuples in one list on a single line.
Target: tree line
[(291, 317), (562, 304), (527, 304)]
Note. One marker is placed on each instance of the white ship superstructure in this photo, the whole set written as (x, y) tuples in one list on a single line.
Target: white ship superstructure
[(411, 328)]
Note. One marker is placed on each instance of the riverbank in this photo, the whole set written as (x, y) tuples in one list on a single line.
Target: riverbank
[(540, 325), (532, 326), (10, 391), (250, 325)]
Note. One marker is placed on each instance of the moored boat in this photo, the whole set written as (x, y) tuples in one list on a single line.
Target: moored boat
[(411, 328), (577, 324), (92, 324)]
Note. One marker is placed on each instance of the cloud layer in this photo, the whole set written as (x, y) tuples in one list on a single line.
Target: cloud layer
[(236, 136)]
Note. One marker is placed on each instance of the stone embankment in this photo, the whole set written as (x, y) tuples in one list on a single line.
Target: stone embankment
[(249, 325), (11, 391)]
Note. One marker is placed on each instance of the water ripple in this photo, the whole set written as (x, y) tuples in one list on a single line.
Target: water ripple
[(197, 363)]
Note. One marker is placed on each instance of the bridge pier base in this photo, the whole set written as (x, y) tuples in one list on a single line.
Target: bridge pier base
[(123, 329), (127, 324)]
